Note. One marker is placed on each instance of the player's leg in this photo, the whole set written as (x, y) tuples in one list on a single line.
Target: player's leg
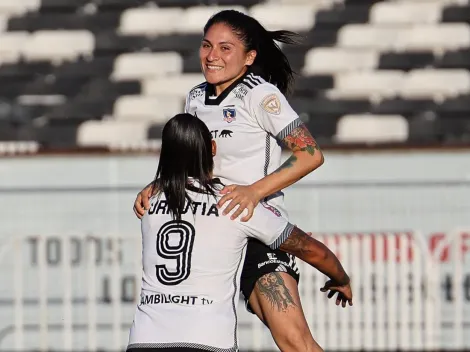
[(269, 279)]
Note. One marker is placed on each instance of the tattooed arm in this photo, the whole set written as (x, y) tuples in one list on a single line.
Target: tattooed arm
[(316, 254), (306, 157)]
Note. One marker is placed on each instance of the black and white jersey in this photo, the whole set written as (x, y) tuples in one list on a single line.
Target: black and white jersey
[(191, 273), (247, 120)]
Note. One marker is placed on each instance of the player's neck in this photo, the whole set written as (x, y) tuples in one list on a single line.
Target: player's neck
[(220, 88)]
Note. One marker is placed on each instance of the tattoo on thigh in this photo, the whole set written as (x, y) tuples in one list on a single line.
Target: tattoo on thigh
[(272, 286)]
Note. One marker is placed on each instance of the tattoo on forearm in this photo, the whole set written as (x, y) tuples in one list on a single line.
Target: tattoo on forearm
[(300, 139), (287, 164), (272, 287), (302, 245)]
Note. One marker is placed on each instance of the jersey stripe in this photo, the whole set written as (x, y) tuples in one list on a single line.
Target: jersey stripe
[(181, 345), (235, 290), (267, 154), (280, 240), (288, 129), (259, 79), (253, 81)]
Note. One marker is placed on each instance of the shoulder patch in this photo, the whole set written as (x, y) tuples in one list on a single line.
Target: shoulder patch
[(271, 104)]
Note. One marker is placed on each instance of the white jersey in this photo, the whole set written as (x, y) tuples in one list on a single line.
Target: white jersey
[(191, 274), (247, 120)]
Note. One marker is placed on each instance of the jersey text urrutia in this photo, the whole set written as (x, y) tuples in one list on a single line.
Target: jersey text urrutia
[(201, 208)]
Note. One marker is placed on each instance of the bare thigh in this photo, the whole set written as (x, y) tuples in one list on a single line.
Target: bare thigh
[(276, 301)]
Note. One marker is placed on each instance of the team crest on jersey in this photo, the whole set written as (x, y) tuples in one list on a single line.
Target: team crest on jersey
[(271, 209), (229, 114), (271, 104)]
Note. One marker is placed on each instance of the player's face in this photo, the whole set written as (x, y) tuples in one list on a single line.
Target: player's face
[(223, 56)]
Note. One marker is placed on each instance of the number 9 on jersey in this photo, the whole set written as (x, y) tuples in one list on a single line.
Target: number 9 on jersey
[(175, 241)]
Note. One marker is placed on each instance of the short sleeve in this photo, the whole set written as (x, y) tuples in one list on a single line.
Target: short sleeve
[(186, 103), (268, 226), (272, 111)]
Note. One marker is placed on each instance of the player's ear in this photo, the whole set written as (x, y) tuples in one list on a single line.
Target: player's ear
[(214, 148), (250, 57)]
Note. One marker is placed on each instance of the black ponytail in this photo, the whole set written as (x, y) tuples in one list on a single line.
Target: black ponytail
[(270, 63), (186, 152)]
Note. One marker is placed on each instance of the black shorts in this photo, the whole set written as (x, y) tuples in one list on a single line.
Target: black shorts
[(261, 260)]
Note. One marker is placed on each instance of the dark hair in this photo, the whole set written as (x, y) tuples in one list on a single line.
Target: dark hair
[(270, 62), (186, 152)]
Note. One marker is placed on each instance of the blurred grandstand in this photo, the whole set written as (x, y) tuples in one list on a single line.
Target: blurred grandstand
[(109, 73)]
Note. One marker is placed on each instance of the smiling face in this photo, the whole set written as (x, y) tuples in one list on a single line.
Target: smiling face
[(223, 56)]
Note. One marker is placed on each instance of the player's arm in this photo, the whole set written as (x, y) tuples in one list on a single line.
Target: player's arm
[(306, 157), (281, 121), (320, 257)]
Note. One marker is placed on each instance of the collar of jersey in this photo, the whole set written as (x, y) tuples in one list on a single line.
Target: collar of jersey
[(210, 91), (194, 185)]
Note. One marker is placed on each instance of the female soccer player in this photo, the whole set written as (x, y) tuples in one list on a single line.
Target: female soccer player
[(243, 104), (192, 256)]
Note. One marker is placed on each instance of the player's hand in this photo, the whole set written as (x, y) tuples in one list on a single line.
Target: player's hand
[(243, 196), (142, 203), (344, 292)]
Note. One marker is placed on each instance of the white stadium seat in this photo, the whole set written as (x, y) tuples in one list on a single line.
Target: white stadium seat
[(146, 65), (19, 147), (11, 45), (150, 21), (18, 7), (331, 60), (294, 17), (58, 45), (437, 38), (404, 12), (437, 84), (371, 129), (3, 22), (156, 109), (175, 85), (369, 36), (103, 133), (367, 84), (194, 18)]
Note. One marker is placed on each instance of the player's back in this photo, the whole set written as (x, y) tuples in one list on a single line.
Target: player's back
[(191, 273)]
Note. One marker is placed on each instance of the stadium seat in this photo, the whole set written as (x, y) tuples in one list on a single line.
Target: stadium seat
[(11, 46), (437, 38), (194, 18), (156, 108), (437, 84), (56, 45), (150, 21), (146, 65), (371, 129), (373, 84), (279, 16), (172, 85), (108, 132), (406, 13), (332, 60), (367, 36), (18, 7)]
